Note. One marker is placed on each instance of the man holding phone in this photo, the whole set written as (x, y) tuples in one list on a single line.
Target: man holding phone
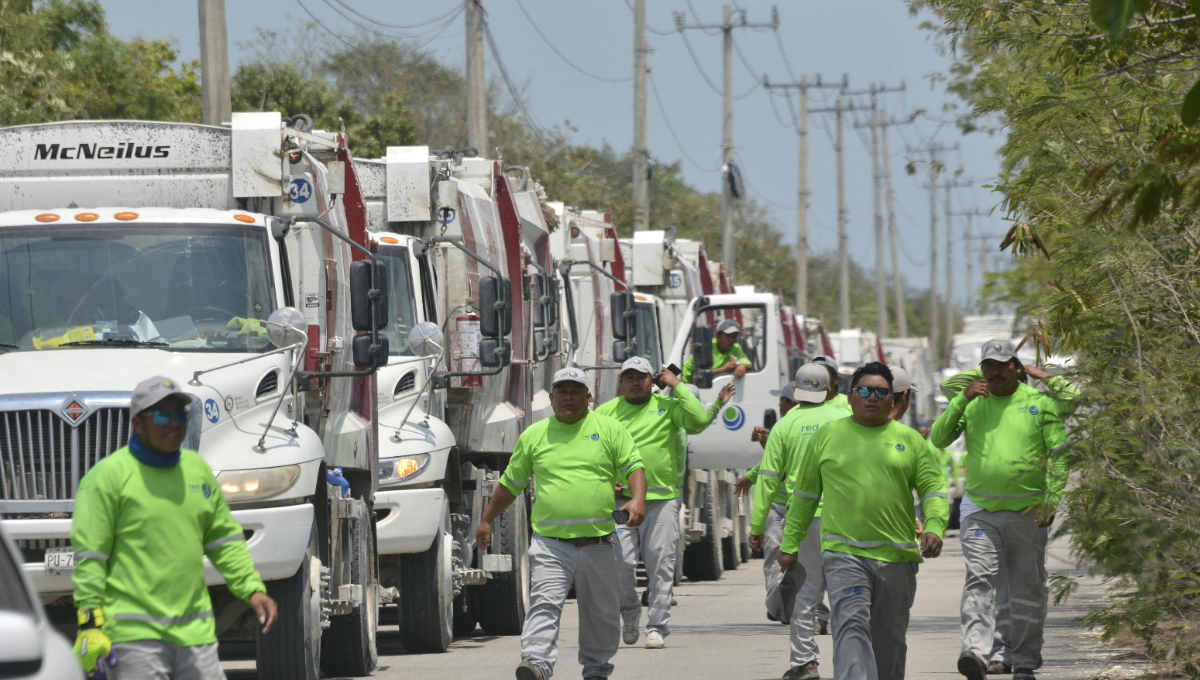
[(656, 423), (575, 458)]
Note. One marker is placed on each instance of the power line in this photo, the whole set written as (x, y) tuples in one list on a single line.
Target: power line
[(562, 56), (512, 90), (663, 111), (454, 12), (369, 29), (322, 25), (696, 61)]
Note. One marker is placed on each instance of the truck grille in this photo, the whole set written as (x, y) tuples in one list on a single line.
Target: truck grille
[(42, 457)]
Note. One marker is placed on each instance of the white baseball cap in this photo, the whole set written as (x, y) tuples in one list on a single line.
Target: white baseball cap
[(153, 390), (639, 364), (570, 374), (812, 384), (900, 380)]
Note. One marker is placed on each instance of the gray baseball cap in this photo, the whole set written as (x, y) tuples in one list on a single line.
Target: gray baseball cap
[(639, 364), (786, 392), (729, 326), (153, 390), (812, 384), (900, 380), (570, 374), (825, 360), (999, 349)]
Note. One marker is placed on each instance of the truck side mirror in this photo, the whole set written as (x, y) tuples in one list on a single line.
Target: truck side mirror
[(702, 355), (618, 305), (495, 308), (620, 352), (794, 364), (367, 355), (494, 352), (545, 304), (363, 295), (770, 418)]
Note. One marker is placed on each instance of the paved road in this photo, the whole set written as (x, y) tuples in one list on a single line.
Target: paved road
[(719, 630)]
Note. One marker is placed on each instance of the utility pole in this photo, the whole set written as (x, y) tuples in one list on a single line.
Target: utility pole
[(802, 203), (967, 245), (216, 106), (843, 237), (477, 123), (933, 150), (897, 278), (641, 155), (948, 186), (978, 242), (728, 238)]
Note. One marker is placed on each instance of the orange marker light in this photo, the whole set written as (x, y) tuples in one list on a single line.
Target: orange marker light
[(244, 218), (87, 217), (125, 216), (388, 239), (47, 217)]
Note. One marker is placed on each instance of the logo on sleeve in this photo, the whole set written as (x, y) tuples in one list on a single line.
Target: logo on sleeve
[(662, 412), (201, 488), (900, 447), (1033, 410)]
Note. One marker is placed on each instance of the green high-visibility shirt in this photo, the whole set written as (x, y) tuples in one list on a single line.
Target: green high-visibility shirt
[(575, 468), (719, 359), (840, 401), (786, 448), (1057, 386), (946, 459), (140, 535), (1015, 448), (655, 427), (866, 476)]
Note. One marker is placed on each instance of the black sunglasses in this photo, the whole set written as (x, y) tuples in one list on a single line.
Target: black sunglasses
[(879, 392)]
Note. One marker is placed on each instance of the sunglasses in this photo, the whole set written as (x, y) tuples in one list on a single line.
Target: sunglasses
[(879, 392), (163, 418)]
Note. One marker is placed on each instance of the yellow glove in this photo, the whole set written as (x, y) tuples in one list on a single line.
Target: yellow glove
[(247, 326), (73, 335), (92, 646)]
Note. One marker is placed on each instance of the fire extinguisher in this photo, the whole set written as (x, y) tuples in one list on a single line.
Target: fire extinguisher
[(467, 326)]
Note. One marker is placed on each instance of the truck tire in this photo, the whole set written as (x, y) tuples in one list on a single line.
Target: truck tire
[(504, 599), (349, 646), (427, 596), (731, 554), (683, 514), (292, 650), (702, 560)]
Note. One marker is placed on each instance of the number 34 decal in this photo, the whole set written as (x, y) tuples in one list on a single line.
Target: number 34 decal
[(300, 190)]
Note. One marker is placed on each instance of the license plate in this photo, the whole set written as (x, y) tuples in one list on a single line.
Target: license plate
[(60, 561)]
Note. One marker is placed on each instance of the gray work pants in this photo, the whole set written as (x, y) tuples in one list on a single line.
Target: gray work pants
[(1000, 639), (870, 602), (157, 660), (595, 572), (655, 543), (811, 594), (985, 537), (772, 539)]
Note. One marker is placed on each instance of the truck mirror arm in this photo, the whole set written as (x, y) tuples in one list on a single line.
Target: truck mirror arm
[(500, 305), (630, 310), (564, 273), (195, 381)]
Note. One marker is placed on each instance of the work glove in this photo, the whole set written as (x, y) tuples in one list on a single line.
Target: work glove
[(92, 646), (247, 327)]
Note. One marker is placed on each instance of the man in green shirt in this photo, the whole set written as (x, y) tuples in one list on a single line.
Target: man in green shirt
[(145, 518), (1015, 473), (575, 458), (728, 357), (780, 467), (655, 422), (864, 468), (839, 400)]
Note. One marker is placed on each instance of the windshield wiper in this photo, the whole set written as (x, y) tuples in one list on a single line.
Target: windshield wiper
[(115, 342), (5, 345)]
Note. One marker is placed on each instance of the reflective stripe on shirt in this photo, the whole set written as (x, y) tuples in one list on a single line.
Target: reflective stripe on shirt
[(146, 618), (868, 544), (570, 522), (659, 489), (768, 473), (222, 541), (1015, 495), (99, 557), (801, 494), (931, 495)]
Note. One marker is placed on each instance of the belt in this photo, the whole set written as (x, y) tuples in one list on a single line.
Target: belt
[(581, 542)]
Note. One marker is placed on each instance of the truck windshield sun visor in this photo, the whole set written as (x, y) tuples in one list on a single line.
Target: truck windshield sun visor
[(191, 287)]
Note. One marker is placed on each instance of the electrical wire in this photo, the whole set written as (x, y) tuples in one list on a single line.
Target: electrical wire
[(662, 110), (512, 89), (323, 26), (696, 61), (458, 9), (696, 14), (384, 34), (562, 56)]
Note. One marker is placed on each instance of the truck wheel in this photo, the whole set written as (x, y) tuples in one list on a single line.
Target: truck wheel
[(731, 554), (683, 514), (743, 523), (504, 599), (464, 616), (349, 646), (702, 560), (427, 596), (292, 650)]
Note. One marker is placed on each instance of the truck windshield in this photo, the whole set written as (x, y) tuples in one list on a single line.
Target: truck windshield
[(180, 286), (400, 299)]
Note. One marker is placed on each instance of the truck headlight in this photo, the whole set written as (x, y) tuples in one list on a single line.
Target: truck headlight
[(396, 470), (256, 485)]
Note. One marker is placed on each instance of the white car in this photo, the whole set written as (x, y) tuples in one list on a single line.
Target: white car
[(30, 648)]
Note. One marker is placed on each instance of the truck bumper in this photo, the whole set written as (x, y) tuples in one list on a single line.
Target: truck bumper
[(414, 516), (277, 545)]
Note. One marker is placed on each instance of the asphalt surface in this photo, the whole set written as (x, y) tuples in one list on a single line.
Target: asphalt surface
[(719, 630)]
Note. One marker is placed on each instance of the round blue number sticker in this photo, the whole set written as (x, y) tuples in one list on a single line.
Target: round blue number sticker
[(211, 411), (300, 190)]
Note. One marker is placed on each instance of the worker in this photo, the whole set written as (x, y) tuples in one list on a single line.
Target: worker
[(655, 423), (865, 468), (728, 357), (145, 518), (575, 458), (1056, 385), (780, 467), (1015, 473), (902, 392), (773, 534), (839, 400)]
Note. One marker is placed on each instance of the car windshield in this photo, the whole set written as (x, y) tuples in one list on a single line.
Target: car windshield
[(400, 299), (178, 286), (13, 596)]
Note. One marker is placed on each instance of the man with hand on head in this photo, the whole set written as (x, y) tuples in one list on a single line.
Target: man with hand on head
[(728, 357), (1015, 473), (145, 518), (655, 422), (575, 458), (865, 468)]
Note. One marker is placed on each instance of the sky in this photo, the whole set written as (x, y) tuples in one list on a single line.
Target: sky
[(566, 53)]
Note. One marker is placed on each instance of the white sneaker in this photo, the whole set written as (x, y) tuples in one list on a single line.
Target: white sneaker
[(630, 633), (654, 640)]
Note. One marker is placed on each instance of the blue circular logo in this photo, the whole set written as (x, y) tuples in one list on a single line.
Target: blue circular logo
[(1033, 410), (899, 447), (211, 411), (733, 417), (595, 436), (206, 489), (300, 190)]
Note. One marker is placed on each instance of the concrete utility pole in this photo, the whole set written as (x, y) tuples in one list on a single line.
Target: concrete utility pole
[(897, 278), (477, 123), (802, 202), (641, 155), (968, 241), (949, 316), (933, 150), (728, 237), (216, 106)]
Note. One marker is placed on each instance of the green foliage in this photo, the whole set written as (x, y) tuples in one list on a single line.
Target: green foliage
[(1102, 179)]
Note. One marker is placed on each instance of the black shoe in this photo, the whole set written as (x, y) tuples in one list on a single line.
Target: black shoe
[(1023, 674), (771, 618), (527, 671), (806, 672), (646, 597), (822, 627), (972, 666)]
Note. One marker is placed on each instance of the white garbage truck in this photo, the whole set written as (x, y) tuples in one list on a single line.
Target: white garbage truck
[(230, 259)]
